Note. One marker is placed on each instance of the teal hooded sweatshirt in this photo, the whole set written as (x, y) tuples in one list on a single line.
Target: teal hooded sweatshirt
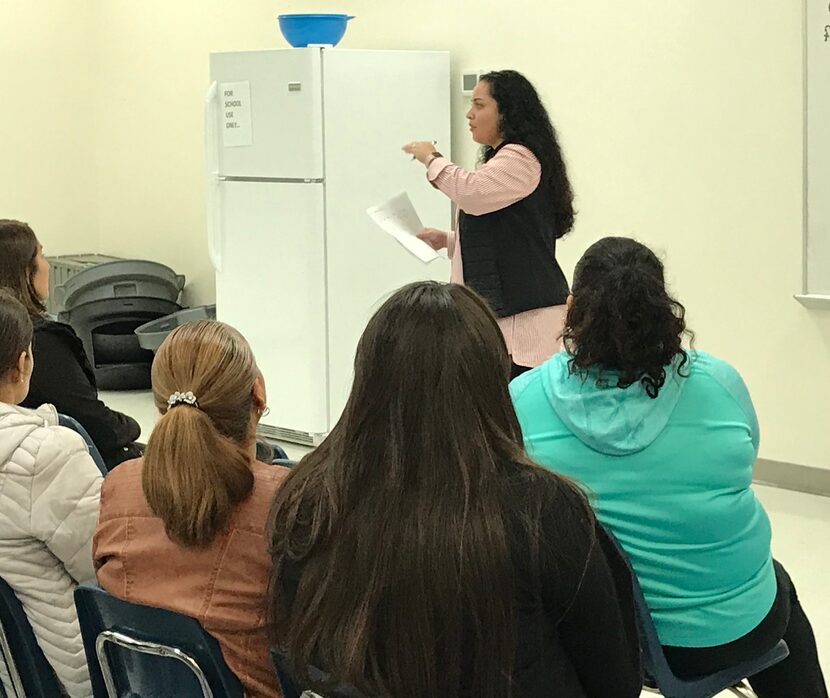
[(671, 478)]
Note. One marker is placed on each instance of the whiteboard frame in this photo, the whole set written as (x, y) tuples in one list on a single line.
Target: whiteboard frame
[(813, 301), (805, 180)]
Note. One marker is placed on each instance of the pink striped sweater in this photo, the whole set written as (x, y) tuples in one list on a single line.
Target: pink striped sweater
[(511, 174)]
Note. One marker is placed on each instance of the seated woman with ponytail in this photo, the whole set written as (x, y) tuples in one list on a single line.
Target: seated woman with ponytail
[(183, 527), (664, 440)]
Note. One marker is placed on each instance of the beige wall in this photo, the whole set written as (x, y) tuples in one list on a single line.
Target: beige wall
[(681, 122), (48, 111)]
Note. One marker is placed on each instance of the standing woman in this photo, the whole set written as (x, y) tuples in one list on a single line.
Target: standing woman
[(63, 375), (511, 212)]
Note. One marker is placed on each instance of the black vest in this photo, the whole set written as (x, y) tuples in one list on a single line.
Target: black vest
[(509, 256)]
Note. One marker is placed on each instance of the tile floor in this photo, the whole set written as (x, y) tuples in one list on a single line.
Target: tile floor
[(800, 524)]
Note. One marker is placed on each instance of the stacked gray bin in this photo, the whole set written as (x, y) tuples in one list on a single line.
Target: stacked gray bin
[(152, 334), (63, 267), (106, 303)]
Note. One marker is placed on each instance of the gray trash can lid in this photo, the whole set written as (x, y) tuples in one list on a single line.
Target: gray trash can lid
[(123, 278)]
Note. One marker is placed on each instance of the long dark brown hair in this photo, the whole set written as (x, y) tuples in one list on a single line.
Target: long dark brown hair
[(18, 250), (398, 520), (622, 318), (197, 466), (524, 120)]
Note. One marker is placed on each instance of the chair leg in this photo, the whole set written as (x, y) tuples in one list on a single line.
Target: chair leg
[(743, 690)]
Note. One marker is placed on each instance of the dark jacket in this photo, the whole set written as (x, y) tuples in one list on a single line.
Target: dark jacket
[(64, 378), (577, 634), (509, 255)]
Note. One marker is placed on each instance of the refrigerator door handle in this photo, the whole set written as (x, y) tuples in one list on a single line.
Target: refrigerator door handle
[(215, 228), (213, 193)]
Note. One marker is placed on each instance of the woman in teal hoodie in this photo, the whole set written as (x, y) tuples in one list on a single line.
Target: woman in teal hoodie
[(664, 439)]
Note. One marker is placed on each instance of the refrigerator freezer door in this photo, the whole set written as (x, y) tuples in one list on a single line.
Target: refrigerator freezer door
[(269, 114), (272, 289)]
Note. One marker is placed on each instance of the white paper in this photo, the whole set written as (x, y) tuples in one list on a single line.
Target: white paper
[(236, 114), (398, 218)]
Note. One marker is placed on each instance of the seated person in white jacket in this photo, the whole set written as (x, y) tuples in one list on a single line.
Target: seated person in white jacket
[(49, 491)]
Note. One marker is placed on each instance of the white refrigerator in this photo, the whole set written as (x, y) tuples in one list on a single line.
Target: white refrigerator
[(299, 143)]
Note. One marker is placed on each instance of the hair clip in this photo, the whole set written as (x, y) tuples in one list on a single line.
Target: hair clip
[(177, 398)]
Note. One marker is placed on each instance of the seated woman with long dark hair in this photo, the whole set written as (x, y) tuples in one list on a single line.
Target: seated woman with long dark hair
[(63, 375), (665, 440), (419, 552)]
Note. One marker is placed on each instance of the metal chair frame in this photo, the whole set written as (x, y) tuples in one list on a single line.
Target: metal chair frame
[(153, 648), (11, 665)]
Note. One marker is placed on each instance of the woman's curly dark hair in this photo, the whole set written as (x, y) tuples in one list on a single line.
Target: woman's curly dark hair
[(622, 319), (524, 120)]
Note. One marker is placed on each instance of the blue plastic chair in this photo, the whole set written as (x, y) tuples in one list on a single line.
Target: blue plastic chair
[(71, 423), (135, 650), (657, 667), (30, 674)]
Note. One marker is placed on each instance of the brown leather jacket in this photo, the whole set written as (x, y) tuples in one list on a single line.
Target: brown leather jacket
[(223, 586)]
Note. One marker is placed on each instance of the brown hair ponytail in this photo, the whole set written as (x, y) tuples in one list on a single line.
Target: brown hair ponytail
[(197, 462)]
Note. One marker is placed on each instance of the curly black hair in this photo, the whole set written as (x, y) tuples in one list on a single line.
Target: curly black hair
[(524, 120), (622, 319)]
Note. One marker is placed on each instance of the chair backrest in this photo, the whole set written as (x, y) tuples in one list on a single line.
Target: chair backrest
[(653, 658), (285, 462), (71, 423), (656, 665), (137, 650), (29, 674)]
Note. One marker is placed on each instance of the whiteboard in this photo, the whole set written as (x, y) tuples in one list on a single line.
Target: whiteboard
[(817, 147)]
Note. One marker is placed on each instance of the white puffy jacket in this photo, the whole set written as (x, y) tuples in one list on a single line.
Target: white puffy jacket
[(49, 492)]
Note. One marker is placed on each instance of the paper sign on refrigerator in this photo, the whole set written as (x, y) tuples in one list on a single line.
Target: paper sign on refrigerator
[(236, 114)]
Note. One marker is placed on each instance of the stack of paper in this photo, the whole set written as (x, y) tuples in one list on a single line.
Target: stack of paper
[(398, 218)]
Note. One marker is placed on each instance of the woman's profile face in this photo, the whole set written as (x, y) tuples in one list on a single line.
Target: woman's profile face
[(40, 275), (483, 116)]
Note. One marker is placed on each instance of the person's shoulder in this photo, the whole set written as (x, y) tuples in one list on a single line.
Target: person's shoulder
[(123, 483), (64, 439), (267, 476), (267, 480), (526, 382), (28, 430), (59, 450), (556, 368), (703, 365), (516, 151), (252, 514), (558, 511), (48, 331), (554, 492), (48, 324)]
